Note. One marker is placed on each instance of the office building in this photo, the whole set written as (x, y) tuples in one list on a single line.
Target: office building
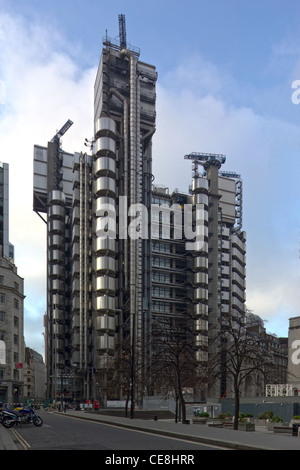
[(12, 346), (114, 267), (206, 280), (6, 248), (98, 287), (34, 377)]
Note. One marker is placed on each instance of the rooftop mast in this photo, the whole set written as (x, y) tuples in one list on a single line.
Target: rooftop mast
[(122, 32)]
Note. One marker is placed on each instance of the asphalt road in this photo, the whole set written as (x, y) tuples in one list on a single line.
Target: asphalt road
[(66, 433)]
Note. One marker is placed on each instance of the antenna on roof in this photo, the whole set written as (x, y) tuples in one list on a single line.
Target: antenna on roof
[(122, 32)]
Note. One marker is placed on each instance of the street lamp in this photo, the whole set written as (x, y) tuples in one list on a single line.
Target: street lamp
[(132, 366)]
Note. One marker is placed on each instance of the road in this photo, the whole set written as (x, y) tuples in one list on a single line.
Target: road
[(68, 433)]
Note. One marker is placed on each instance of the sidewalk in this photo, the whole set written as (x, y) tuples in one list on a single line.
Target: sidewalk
[(260, 439), (6, 439)]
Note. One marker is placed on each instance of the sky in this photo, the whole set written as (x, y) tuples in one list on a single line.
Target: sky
[(226, 70)]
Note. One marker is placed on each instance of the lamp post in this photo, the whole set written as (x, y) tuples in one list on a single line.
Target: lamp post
[(132, 366)]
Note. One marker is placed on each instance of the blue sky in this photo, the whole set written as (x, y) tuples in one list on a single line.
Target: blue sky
[(225, 72)]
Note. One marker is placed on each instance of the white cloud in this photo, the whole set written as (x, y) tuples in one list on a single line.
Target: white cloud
[(264, 150), (44, 88)]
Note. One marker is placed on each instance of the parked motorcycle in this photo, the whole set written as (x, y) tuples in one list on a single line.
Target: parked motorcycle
[(28, 415), (7, 417), (20, 416)]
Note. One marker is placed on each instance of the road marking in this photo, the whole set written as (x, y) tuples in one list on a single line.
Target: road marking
[(21, 439)]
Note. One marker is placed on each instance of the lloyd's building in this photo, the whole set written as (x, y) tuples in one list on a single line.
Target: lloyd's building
[(103, 292)]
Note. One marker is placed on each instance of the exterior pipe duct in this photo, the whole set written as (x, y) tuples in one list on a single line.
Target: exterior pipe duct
[(133, 178), (125, 124)]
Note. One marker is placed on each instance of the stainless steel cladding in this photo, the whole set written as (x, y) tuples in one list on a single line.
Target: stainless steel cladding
[(106, 146), (106, 323), (104, 262), (105, 186), (105, 285), (56, 272), (105, 125), (105, 303), (199, 185), (201, 196), (105, 166)]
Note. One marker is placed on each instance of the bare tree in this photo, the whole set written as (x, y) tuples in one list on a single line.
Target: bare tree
[(243, 352), (128, 377), (174, 367)]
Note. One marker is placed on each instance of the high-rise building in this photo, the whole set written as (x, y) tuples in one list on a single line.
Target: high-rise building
[(220, 263), (6, 248), (114, 266), (98, 287), (206, 280), (12, 347)]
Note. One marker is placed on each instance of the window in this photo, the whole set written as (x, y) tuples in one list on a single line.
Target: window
[(16, 304), (16, 322), (1, 279), (161, 262), (2, 316), (161, 292), (164, 307), (160, 276), (2, 299), (161, 247), (2, 335)]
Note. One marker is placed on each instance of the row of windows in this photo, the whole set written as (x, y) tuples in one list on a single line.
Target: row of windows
[(161, 262), (3, 337), (16, 285), (3, 301), (164, 307), (161, 247), (161, 276), (163, 232), (160, 202), (3, 319), (2, 374), (162, 292), (167, 263)]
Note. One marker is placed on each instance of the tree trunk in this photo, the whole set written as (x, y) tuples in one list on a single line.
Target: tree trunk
[(176, 408), (236, 407), (181, 400), (126, 406)]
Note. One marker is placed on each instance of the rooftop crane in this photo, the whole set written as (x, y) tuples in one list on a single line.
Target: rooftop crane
[(230, 174), (207, 159), (62, 131), (203, 158), (58, 153)]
